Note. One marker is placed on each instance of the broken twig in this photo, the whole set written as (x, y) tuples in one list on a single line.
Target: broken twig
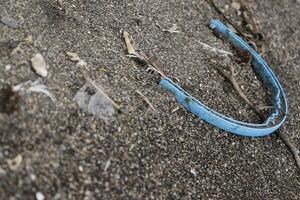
[(295, 152), (213, 49), (173, 29), (129, 45), (145, 99), (231, 77), (140, 56)]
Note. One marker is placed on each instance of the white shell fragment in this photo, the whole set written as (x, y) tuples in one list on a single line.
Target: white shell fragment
[(39, 65), (14, 163)]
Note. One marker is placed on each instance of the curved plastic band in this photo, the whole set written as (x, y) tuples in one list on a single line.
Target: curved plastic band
[(275, 118)]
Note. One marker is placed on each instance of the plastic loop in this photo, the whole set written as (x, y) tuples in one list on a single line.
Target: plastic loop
[(275, 118)]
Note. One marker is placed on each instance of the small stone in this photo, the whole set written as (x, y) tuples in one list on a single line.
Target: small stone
[(236, 5), (94, 127), (73, 56), (14, 163), (39, 65), (39, 196), (10, 22), (81, 63), (193, 171), (80, 168), (32, 177), (7, 67)]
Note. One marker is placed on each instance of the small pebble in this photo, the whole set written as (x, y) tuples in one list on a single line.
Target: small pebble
[(39, 65), (10, 22), (7, 67), (193, 171), (32, 177), (73, 56), (81, 63), (39, 196), (236, 5)]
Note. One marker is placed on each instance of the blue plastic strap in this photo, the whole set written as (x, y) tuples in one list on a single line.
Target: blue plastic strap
[(275, 118)]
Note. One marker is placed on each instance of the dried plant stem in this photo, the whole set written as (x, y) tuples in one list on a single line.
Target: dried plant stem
[(230, 76), (139, 55), (213, 49), (295, 152), (129, 45), (145, 99)]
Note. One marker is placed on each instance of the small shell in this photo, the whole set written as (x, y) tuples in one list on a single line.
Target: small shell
[(39, 65), (14, 163)]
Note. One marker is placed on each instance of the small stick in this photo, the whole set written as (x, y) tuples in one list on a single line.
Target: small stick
[(90, 81), (295, 152), (213, 49), (230, 76), (145, 99), (129, 45), (139, 55)]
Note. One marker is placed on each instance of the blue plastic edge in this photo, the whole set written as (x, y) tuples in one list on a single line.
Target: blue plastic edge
[(224, 122)]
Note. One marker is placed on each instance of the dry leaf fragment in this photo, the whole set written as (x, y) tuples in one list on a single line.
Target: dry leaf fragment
[(145, 99), (14, 163), (39, 65)]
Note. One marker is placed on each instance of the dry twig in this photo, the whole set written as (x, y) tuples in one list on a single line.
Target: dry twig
[(231, 77), (295, 152), (145, 99), (139, 55), (213, 49)]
